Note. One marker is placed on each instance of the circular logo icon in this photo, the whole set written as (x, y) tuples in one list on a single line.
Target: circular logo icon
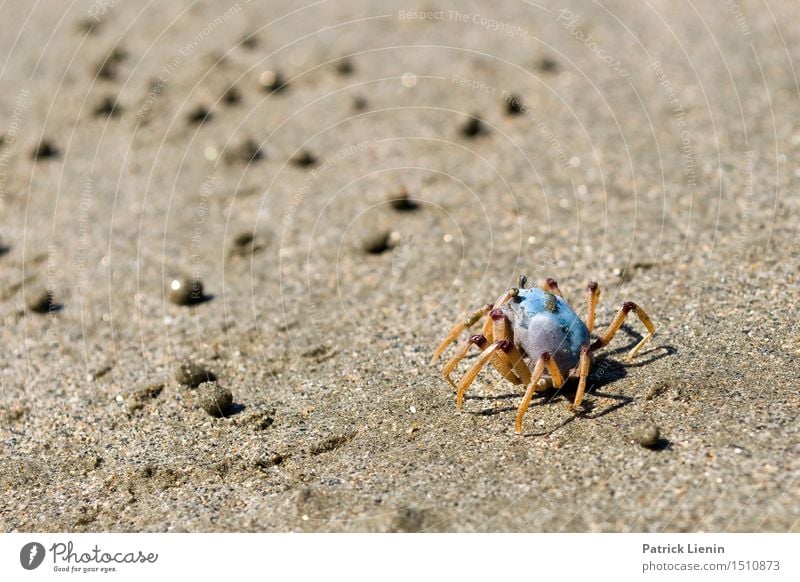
[(31, 555)]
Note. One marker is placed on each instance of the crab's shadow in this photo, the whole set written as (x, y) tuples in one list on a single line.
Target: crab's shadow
[(611, 371), (605, 370), (650, 355)]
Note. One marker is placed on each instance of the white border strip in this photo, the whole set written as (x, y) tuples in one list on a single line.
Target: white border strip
[(407, 557)]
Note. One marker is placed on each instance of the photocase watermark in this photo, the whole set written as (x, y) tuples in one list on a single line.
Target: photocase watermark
[(341, 155), (401, 257), (547, 258), (65, 558), (747, 212), (569, 20), (84, 206), (311, 312), (51, 336), (528, 112), (31, 555), (169, 69), (490, 24), (421, 15), (10, 138), (736, 10), (478, 85), (601, 369), (200, 214), (678, 113), (100, 7)]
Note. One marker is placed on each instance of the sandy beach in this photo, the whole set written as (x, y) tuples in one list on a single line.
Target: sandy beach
[(347, 180)]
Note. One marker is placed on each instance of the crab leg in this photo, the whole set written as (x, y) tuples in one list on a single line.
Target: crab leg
[(519, 365), (469, 377), (594, 297), (544, 361), (502, 331), (583, 373), (509, 361), (471, 319), (505, 357), (475, 340), (619, 319), (505, 297)]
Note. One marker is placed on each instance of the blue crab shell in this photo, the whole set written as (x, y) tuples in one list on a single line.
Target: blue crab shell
[(544, 322)]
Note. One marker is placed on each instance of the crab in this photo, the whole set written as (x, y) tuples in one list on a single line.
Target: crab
[(538, 324)]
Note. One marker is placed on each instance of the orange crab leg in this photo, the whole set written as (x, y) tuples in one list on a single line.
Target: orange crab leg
[(583, 373), (471, 319), (475, 340), (593, 291), (619, 319), (469, 377), (519, 365), (503, 331), (544, 362)]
